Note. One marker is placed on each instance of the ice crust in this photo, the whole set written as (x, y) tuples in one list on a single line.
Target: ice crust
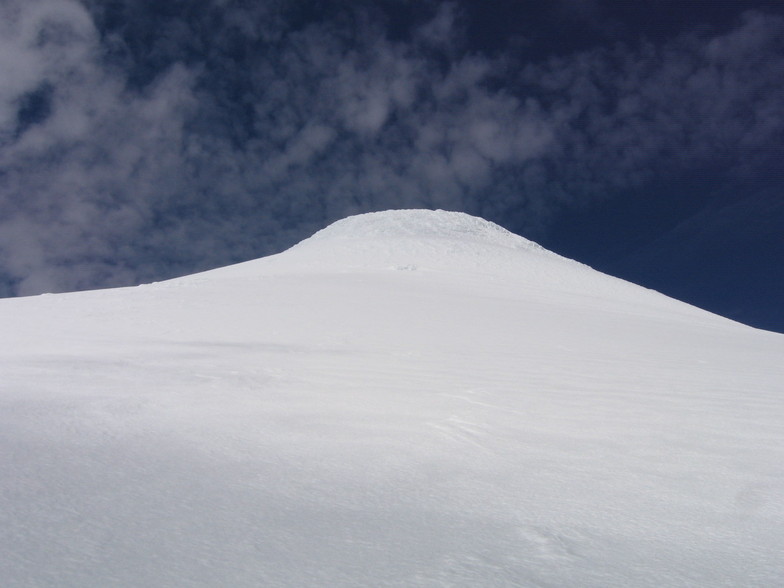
[(435, 236), (420, 225), (409, 398)]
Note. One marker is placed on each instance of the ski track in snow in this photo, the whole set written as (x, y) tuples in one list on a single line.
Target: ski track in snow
[(405, 399)]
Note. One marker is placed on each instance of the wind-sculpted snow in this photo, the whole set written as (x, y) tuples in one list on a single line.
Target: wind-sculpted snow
[(421, 225), (439, 236), (410, 398)]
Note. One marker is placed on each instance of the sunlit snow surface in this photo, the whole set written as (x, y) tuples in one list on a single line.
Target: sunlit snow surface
[(408, 398)]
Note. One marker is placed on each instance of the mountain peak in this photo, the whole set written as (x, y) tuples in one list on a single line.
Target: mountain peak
[(469, 249), (407, 239), (323, 407), (421, 224), (415, 238)]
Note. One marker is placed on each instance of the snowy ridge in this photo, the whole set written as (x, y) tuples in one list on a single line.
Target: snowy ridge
[(465, 248), (405, 239), (494, 415)]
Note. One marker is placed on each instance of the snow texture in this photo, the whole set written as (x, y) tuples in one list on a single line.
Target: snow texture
[(408, 398)]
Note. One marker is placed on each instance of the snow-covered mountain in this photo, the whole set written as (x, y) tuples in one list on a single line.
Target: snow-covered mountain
[(407, 398)]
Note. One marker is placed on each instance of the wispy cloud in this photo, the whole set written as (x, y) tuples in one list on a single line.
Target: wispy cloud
[(231, 132), (695, 101)]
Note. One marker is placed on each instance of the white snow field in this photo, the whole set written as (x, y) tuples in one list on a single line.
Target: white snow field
[(408, 398)]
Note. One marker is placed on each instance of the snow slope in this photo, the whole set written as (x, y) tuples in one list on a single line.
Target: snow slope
[(408, 398)]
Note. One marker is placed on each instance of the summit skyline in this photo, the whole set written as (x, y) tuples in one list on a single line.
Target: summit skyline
[(141, 140)]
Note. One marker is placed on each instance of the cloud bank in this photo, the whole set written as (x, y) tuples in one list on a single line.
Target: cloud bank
[(139, 141)]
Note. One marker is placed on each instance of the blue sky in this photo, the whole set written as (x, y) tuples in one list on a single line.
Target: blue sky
[(144, 139)]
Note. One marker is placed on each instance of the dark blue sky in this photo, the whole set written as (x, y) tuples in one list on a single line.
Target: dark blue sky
[(145, 139)]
